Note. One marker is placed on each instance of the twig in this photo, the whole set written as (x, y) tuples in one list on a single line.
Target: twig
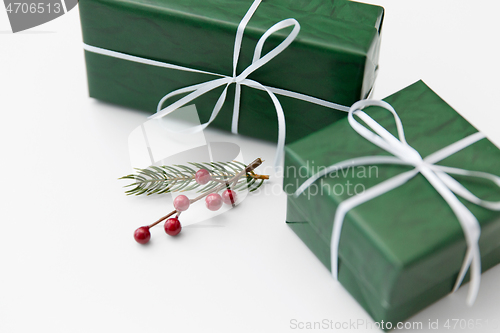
[(234, 179)]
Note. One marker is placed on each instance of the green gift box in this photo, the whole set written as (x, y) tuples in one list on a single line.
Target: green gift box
[(402, 250), (334, 57)]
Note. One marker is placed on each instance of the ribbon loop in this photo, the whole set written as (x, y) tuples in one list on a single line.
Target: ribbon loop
[(360, 105), (382, 137), (241, 31), (437, 175), (259, 61)]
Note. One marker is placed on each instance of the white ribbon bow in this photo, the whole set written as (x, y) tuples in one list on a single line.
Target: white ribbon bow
[(197, 90), (437, 175)]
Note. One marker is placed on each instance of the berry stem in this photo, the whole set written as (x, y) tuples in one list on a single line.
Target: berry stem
[(163, 218), (229, 188), (257, 176), (224, 183), (252, 166), (233, 180)]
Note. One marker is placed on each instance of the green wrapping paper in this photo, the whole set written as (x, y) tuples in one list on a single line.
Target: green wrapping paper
[(334, 58), (403, 250)]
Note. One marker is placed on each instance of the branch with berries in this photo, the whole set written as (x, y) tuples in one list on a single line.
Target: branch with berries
[(180, 178), (214, 177)]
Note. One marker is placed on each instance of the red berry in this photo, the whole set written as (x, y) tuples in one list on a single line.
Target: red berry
[(213, 201), (173, 226), (202, 176), (181, 203), (142, 235), (229, 197)]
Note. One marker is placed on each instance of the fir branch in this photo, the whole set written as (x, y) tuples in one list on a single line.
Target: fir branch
[(181, 178)]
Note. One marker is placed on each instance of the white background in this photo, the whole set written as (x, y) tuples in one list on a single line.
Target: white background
[(68, 262)]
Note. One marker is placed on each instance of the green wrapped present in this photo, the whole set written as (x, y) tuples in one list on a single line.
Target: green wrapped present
[(402, 246), (334, 57)]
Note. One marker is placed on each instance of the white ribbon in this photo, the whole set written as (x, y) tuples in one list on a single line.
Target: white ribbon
[(197, 90), (437, 175)]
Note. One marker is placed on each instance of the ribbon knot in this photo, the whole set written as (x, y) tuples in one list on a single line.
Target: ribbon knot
[(242, 79), (409, 155), (438, 176)]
